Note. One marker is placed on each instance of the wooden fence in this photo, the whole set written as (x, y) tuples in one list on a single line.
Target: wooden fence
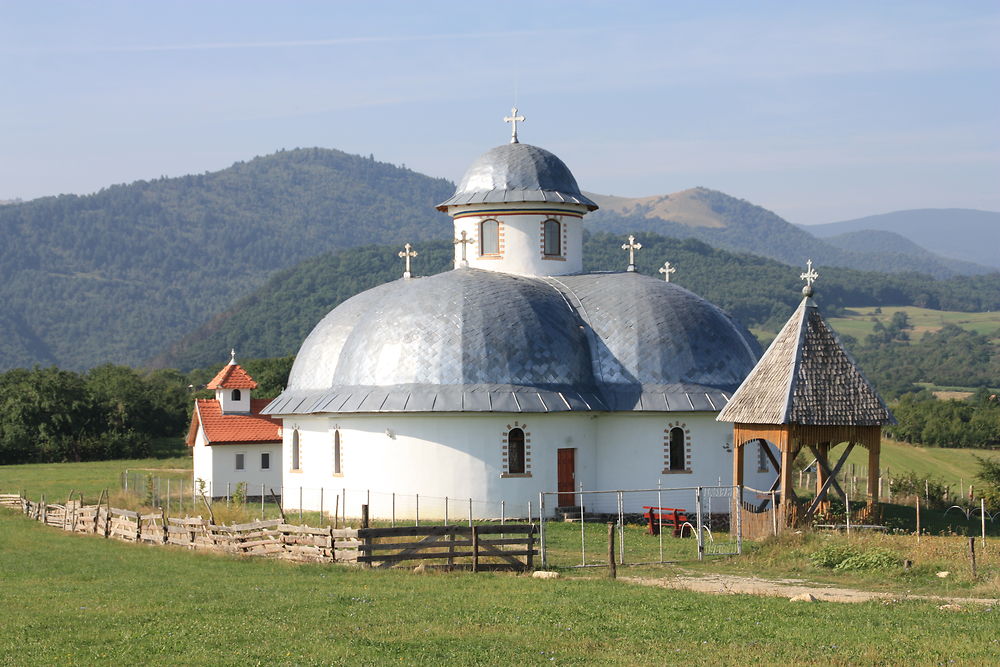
[(277, 539)]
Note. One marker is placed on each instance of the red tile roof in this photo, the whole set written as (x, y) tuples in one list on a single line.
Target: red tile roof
[(229, 429), (232, 376)]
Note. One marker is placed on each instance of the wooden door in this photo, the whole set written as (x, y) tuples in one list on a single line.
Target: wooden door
[(566, 470)]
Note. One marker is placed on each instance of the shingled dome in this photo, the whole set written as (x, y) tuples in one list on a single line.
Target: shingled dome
[(517, 173), (483, 341)]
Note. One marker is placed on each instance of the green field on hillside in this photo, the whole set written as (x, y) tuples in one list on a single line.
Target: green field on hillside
[(950, 465), (74, 599), (859, 322)]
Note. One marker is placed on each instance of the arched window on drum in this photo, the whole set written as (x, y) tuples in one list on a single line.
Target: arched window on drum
[(489, 237), (552, 238)]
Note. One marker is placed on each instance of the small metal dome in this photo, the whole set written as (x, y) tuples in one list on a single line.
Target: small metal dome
[(517, 173), (471, 340)]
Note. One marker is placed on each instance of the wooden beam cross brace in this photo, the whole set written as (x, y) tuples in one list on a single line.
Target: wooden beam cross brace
[(831, 478)]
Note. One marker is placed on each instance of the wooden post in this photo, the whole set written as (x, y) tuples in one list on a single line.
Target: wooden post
[(336, 512), (321, 519), (163, 518), (278, 502), (738, 454), (918, 519), (97, 513), (364, 516), (107, 515), (475, 549), (972, 556), (822, 460), (787, 459), (612, 566), (211, 514), (364, 526), (982, 519), (874, 481)]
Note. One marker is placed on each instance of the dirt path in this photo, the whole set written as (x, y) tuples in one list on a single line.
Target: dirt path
[(730, 584)]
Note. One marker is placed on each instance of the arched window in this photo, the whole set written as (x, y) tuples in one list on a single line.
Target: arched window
[(677, 448), (489, 237), (295, 450), (515, 451), (236, 394), (336, 453), (553, 240)]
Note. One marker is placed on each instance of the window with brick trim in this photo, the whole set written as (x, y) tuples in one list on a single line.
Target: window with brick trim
[(552, 235), (489, 237), (516, 451)]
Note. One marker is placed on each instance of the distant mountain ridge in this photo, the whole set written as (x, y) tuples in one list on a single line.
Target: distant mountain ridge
[(122, 274), (736, 224), (965, 234)]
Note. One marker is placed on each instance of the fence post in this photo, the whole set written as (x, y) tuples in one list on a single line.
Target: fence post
[(418, 510), (530, 562), (918, 519), (612, 567), (163, 518), (300, 504), (739, 520), (364, 516), (774, 514), (261, 502), (697, 505), (502, 511), (168, 495), (972, 556), (982, 519), (393, 523), (446, 510), (475, 549), (541, 525), (470, 512), (321, 506)]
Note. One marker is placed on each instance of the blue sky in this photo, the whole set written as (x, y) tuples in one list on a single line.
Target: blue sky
[(818, 111)]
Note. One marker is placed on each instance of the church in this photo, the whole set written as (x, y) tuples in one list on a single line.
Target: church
[(515, 372)]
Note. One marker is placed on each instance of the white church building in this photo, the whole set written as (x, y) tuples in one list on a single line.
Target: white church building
[(515, 372)]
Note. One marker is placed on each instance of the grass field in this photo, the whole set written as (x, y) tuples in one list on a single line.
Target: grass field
[(951, 465), (859, 322), (72, 599)]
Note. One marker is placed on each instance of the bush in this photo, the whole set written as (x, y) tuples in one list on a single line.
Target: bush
[(832, 555), (875, 558)]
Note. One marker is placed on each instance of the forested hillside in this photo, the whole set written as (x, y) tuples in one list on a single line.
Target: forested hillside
[(117, 275), (736, 224), (275, 319)]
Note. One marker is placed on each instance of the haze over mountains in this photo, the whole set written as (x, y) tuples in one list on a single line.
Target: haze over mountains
[(959, 233), (120, 275)]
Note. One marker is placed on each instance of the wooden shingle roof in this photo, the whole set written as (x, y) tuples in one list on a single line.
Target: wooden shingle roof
[(806, 377)]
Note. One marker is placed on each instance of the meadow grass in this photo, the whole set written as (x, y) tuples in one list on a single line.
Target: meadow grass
[(860, 322), (951, 465), (74, 599)]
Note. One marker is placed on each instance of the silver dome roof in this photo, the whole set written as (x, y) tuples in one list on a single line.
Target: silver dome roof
[(470, 340), (517, 173)]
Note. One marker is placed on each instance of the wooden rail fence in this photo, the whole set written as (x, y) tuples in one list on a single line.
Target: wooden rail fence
[(507, 546)]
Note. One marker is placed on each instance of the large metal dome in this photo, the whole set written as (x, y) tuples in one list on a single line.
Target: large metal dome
[(484, 341), (517, 173)]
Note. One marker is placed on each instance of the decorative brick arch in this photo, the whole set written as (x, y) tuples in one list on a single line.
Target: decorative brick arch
[(505, 454), (668, 469)]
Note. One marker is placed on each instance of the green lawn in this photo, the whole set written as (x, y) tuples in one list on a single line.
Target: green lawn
[(71, 599), (859, 322), (950, 465), (56, 480)]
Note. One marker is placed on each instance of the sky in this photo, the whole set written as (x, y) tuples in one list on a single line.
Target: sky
[(817, 111)]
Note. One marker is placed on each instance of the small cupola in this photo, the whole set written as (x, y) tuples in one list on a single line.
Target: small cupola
[(232, 387), (519, 210)]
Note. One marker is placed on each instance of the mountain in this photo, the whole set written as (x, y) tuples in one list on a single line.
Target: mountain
[(895, 249), (736, 224), (958, 233), (276, 318), (120, 274)]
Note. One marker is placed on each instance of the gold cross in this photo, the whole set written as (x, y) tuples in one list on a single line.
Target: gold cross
[(666, 270), (513, 119), (631, 246), (809, 276), (406, 254), (465, 241)]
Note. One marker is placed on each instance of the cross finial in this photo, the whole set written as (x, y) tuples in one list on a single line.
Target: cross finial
[(406, 253), (232, 357), (810, 277), (631, 246), (513, 119), (464, 241), (666, 270)]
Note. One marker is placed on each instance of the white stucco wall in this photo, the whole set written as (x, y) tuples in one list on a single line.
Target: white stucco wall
[(461, 456), (216, 465), (521, 249)]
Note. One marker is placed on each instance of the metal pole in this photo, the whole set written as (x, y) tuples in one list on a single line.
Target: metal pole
[(470, 512), (774, 514), (529, 512), (982, 520), (502, 512), (446, 510), (701, 540), (739, 520), (418, 510), (227, 493), (847, 507), (621, 528), (261, 502), (168, 495), (343, 505), (659, 503), (393, 509), (321, 506), (541, 525), (583, 541), (300, 505)]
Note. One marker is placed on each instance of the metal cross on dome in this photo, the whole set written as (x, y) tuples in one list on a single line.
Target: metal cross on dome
[(406, 254), (232, 356), (631, 246), (666, 270), (513, 119), (810, 275), (464, 241)]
